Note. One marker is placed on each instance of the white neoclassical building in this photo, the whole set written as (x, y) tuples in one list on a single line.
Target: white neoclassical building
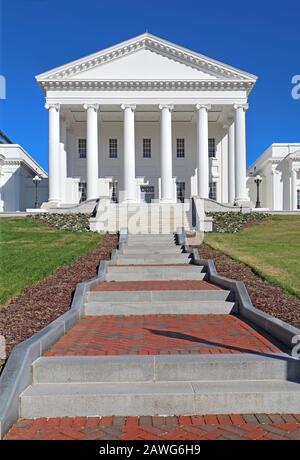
[(17, 169), (146, 120), (279, 169)]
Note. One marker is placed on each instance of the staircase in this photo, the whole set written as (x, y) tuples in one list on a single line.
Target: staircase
[(142, 218), (157, 338)]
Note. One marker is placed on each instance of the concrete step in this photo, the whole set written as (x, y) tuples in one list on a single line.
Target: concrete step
[(172, 368), (160, 398), (131, 273), (150, 244), (157, 239), (155, 250), (152, 259), (149, 236), (148, 297), (184, 307)]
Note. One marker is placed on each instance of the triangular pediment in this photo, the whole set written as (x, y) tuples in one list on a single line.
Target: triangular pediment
[(145, 64), (146, 57)]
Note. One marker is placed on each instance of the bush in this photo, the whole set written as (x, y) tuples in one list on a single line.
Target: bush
[(71, 222), (232, 222)]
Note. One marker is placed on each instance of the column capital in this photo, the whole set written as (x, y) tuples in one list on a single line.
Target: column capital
[(241, 106), (128, 106), (50, 105), (203, 106), (170, 107), (91, 106)]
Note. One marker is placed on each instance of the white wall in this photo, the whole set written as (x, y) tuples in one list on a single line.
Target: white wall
[(18, 190), (147, 169), (275, 169), (17, 169)]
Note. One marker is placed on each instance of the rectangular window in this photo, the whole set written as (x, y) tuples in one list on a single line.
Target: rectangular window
[(298, 199), (113, 191), (113, 148), (180, 148), (147, 193), (212, 148), (82, 148), (82, 191), (180, 189), (147, 148), (213, 190)]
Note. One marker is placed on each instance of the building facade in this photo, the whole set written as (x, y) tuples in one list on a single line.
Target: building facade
[(279, 169), (146, 120), (17, 169)]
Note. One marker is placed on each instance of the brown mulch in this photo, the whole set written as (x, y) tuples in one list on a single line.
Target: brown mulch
[(265, 296), (46, 300)]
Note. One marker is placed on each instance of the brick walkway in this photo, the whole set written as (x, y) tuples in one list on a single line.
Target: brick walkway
[(154, 335), (234, 427), (155, 286), (160, 334)]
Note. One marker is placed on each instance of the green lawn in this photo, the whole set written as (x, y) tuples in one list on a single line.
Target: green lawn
[(271, 248), (30, 250)]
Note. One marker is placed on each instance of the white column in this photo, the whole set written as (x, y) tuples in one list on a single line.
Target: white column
[(63, 158), (240, 153), (129, 154), (92, 151), (231, 169), (167, 191), (53, 153), (294, 190), (202, 150)]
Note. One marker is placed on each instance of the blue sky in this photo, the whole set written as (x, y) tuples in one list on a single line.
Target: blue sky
[(261, 37)]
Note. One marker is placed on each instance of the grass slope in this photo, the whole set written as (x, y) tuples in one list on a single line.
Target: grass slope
[(271, 248), (30, 250)]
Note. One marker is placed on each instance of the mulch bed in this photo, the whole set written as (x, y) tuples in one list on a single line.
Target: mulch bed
[(264, 296), (46, 300)]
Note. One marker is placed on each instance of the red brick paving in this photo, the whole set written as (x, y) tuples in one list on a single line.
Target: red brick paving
[(175, 285), (160, 334), (237, 427)]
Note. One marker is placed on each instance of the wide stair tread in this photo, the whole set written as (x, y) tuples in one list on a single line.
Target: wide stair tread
[(156, 368), (159, 307), (163, 272), (163, 398)]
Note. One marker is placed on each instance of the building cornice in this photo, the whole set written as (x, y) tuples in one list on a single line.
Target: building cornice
[(294, 156), (145, 85), (152, 43), (23, 158)]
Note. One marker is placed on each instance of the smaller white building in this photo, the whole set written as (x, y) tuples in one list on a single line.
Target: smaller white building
[(279, 168), (17, 169)]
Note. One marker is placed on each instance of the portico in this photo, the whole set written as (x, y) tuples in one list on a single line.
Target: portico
[(147, 116)]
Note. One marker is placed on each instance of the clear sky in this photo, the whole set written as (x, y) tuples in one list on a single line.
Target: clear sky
[(261, 37)]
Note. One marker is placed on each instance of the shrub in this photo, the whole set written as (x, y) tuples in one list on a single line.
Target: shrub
[(71, 222), (232, 222)]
